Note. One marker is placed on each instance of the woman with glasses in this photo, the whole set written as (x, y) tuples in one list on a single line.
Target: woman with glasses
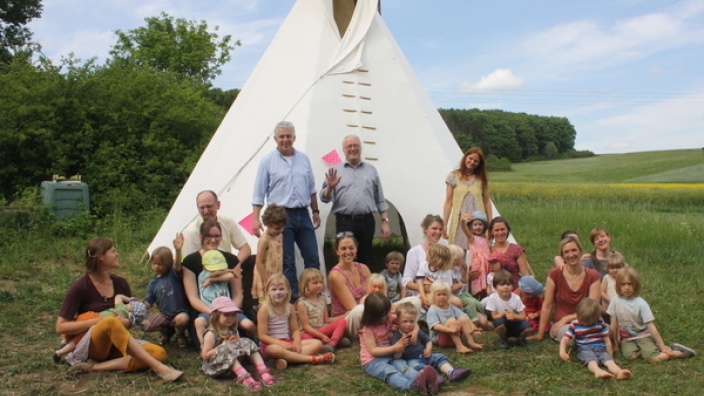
[(211, 234)]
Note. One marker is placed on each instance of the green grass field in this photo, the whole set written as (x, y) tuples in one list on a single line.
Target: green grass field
[(658, 227), (675, 166)]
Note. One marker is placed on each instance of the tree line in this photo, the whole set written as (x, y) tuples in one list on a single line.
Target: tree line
[(135, 126), (517, 137)]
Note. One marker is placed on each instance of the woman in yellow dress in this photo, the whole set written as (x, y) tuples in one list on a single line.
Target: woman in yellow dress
[(467, 190)]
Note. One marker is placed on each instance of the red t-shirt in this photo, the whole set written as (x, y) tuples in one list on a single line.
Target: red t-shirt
[(566, 299)]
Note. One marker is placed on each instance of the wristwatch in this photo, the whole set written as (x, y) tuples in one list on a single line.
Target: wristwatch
[(386, 219)]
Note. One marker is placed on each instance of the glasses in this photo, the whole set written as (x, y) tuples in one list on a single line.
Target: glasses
[(209, 236), (344, 234)]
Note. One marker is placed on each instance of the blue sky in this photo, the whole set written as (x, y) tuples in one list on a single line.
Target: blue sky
[(628, 74)]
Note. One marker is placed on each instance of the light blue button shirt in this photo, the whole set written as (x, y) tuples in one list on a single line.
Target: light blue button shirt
[(285, 181)]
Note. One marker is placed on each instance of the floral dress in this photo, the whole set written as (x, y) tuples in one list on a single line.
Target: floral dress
[(480, 253), (274, 263), (466, 198), (227, 353)]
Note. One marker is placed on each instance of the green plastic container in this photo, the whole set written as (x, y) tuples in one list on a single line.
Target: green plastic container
[(66, 198)]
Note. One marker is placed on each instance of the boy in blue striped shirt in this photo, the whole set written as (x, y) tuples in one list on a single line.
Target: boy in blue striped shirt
[(591, 335)]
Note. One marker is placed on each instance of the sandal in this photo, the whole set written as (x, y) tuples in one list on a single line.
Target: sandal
[(248, 382), (325, 358), (266, 378)]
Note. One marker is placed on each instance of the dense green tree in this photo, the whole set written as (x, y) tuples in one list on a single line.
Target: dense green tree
[(224, 99), (550, 150), (464, 140), (174, 45), (148, 130), (514, 136), (14, 34), (26, 116)]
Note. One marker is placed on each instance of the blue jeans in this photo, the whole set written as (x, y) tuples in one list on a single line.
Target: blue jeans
[(299, 230), (395, 372), (514, 328), (435, 361)]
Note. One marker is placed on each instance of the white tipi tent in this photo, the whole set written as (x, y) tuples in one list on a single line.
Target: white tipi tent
[(328, 87)]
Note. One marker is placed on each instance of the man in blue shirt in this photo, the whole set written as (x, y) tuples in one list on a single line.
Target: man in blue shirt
[(285, 177), (355, 190)]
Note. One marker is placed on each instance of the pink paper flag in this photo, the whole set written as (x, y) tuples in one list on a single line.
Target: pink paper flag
[(246, 223), (332, 158)]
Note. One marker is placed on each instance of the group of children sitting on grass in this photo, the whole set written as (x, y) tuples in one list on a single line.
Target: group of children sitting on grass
[(392, 345)]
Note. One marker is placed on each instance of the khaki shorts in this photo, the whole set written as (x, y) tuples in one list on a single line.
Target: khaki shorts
[(646, 346)]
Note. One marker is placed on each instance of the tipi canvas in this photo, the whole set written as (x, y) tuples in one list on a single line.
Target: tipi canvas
[(329, 87)]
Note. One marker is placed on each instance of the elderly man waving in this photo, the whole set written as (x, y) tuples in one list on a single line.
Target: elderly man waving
[(355, 190)]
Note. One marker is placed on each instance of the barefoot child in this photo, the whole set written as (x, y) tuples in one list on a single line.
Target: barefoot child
[(376, 351), (591, 335), (438, 266), (125, 307), (420, 353), (470, 305), (474, 226), (223, 347), (392, 274), (278, 328), (313, 316), (507, 311), (166, 291), (446, 322), (269, 249), (633, 324)]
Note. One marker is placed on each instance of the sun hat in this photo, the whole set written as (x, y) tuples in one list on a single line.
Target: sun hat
[(529, 285), (479, 215), (224, 304), (214, 260)]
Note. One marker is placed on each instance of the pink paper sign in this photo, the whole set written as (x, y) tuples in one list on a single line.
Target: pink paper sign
[(332, 158), (246, 223)]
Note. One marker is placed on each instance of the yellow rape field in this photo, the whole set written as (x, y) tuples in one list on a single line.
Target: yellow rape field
[(656, 194)]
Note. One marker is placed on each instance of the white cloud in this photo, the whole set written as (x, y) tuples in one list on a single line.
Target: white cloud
[(588, 44), (498, 80), (669, 124)]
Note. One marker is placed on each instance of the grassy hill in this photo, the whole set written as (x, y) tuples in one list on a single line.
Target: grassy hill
[(673, 166)]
